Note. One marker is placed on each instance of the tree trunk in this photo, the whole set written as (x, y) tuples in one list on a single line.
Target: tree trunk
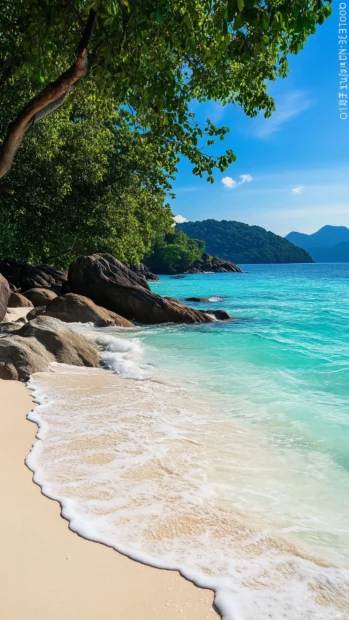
[(50, 98)]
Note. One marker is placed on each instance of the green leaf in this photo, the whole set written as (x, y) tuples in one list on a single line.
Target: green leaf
[(241, 5)]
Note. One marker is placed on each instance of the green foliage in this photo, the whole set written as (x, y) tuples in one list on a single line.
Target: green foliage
[(81, 184), (241, 243), (174, 252), (156, 56)]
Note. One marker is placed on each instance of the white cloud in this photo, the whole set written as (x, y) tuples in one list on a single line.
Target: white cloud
[(245, 178), (297, 190), (293, 105), (231, 183), (179, 219)]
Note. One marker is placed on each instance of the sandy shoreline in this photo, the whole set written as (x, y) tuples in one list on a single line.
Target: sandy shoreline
[(46, 571)]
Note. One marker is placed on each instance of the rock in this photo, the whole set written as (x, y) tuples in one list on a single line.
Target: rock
[(25, 277), (197, 299), (143, 270), (40, 296), (19, 301), (21, 357), (4, 296), (221, 315), (72, 308), (41, 341), (38, 311), (213, 264), (112, 285)]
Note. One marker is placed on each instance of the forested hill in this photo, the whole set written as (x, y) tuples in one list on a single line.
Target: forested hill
[(243, 244)]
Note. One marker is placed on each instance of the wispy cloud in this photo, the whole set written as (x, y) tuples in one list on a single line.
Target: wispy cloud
[(179, 219), (230, 183), (298, 190), (292, 105)]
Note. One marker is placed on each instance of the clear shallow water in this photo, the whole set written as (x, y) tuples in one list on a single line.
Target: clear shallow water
[(229, 458)]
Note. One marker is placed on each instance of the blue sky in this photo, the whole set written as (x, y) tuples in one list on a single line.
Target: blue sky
[(291, 171)]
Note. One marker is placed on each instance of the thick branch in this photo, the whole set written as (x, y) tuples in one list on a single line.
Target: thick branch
[(47, 101)]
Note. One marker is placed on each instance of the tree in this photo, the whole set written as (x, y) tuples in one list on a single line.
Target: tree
[(154, 56), (82, 184), (174, 252)]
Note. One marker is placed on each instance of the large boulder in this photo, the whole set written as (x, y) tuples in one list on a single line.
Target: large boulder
[(143, 270), (40, 296), (24, 277), (41, 341), (21, 357), (72, 308), (112, 285), (4, 296), (19, 301)]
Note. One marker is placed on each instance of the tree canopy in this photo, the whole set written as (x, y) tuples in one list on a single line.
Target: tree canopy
[(244, 244), (82, 184), (155, 57), (174, 252)]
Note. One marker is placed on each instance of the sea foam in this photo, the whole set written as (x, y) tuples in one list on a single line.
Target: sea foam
[(157, 473)]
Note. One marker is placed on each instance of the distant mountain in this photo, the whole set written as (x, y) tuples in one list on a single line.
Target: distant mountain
[(243, 244), (330, 244)]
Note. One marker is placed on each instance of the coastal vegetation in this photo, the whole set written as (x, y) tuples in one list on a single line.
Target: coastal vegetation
[(96, 112), (242, 243)]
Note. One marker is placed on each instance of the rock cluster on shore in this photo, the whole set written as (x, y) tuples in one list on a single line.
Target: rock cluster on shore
[(98, 289), (213, 264)]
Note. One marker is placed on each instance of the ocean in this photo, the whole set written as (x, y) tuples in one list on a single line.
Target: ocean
[(221, 449)]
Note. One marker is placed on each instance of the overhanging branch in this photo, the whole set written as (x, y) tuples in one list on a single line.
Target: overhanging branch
[(50, 98)]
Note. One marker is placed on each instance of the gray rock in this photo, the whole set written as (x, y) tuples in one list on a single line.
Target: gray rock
[(38, 311), (5, 293), (40, 296), (72, 308), (19, 301), (31, 348), (112, 285)]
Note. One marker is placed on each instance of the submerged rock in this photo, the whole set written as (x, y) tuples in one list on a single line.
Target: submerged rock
[(17, 300), (72, 308), (41, 341), (40, 296), (112, 285), (221, 315), (5, 293)]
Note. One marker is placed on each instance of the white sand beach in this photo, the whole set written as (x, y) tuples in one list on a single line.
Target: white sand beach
[(47, 571)]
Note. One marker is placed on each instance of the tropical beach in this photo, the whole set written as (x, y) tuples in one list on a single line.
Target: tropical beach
[(174, 294), (47, 571)]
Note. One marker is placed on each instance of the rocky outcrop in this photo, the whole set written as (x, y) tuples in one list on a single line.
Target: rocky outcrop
[(4, 296), (220, 315), (40, 296), (38, 343), (212, 264), (19, 301), (23, 277), (143, 270), (72, 308), (112, 285)]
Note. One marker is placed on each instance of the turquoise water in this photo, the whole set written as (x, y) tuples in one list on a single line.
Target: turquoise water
[(220, 449), (283, 358)]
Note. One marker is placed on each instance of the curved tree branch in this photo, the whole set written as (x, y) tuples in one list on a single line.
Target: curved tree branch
[(50, 98)]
